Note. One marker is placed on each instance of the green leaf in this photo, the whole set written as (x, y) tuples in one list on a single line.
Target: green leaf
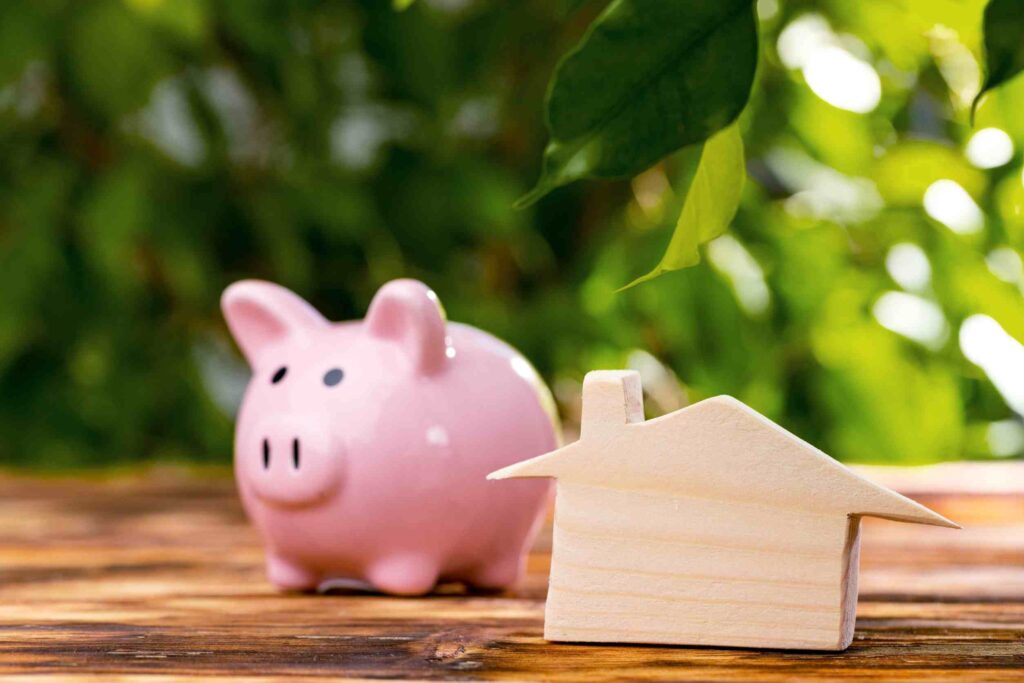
[(186, 20), (648, 78), (113, 60), (402, 5), (711, 201), (1004, 44)]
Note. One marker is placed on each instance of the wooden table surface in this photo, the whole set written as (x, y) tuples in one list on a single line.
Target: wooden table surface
[(161, 575)]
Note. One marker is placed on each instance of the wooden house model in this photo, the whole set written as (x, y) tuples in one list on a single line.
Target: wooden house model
[(711, 525)]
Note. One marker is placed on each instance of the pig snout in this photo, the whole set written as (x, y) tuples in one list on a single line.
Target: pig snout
[(292, 462)]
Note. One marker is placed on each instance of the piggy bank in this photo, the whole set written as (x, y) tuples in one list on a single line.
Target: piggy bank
[(362, 448)]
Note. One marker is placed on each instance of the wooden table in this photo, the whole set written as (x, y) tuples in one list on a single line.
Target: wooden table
[(160, 574)]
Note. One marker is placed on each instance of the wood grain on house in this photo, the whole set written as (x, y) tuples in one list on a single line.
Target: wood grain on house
[(650, 567)]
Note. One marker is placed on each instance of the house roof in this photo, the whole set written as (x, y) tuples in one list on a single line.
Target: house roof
[(717, 448)]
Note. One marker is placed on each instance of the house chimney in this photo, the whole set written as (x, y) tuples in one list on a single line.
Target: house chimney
[(611, 398)]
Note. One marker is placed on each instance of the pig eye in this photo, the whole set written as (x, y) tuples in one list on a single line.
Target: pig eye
[(279, 375), (333, 376)]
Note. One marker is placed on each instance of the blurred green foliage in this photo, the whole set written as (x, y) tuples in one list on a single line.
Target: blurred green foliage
[(868, 295)]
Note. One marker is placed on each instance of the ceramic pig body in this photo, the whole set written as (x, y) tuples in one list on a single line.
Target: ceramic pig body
[(362, 448)]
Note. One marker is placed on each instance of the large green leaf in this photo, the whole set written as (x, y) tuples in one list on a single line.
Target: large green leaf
[(1004, 43), (649, 77), (711, 202)]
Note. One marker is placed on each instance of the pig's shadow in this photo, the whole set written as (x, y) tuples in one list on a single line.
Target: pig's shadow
[(356, 588)]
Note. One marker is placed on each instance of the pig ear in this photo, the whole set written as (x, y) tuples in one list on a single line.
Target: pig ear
[(409, 313), (260, 314)]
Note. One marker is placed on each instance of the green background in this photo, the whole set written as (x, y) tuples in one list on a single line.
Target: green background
[(154, 151)]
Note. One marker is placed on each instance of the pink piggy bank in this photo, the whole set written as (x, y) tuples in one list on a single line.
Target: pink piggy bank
[(362, 448)]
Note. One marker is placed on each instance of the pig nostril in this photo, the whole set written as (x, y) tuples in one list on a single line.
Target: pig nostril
[(266, 454), (295, 453)]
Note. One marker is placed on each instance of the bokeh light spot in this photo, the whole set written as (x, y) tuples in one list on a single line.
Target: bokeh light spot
[(989, 148), (949, 204)]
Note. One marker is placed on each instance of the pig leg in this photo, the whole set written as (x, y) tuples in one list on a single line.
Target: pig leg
[(289, 576), (498, 574), (403, 575)]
